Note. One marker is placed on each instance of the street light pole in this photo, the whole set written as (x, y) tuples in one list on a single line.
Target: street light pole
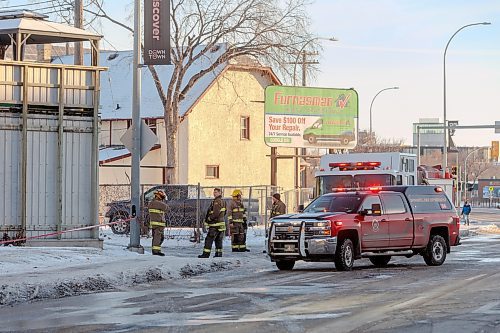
[(465, 169), (373, 100), (445, 134)]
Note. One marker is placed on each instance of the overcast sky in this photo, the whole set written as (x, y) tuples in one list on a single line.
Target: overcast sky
[(386, 43)]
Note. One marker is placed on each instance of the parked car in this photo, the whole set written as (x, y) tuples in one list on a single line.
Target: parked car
[(181, 202)]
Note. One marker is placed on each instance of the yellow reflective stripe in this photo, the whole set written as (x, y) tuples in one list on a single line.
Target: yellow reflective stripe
[(217, 224), (235, 246), (161, 224), (156, 247), (218, 250), (223, 209), (229, 217), (206, 250), (157, 211), (238, 220)]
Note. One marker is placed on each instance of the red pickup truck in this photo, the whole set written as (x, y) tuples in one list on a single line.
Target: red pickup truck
[(375, 223)]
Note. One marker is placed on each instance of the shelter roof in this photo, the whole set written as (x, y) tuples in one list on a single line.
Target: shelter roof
[(40, 31)]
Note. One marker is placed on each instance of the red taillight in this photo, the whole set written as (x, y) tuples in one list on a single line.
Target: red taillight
[(438, 189), (375, 189)]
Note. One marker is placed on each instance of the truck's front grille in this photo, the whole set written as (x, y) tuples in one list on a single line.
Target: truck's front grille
[(286, 232)]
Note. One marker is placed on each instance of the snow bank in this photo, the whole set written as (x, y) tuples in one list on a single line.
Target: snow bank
[(28, 273)]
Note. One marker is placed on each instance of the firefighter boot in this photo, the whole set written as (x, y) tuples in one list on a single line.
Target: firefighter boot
[(204, 255), (218, 255), (158, 253)]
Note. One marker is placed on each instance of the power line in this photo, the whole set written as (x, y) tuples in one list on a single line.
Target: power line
[(27, 4)]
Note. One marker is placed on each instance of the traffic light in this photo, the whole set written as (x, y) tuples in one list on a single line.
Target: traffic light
[(454, 172), (470, 187), (494, 150)]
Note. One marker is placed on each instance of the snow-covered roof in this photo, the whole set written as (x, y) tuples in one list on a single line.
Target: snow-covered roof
[(40, 31), (111, 153), (116, 83)]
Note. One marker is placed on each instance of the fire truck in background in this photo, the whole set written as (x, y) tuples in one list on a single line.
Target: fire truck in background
[(363, 170)]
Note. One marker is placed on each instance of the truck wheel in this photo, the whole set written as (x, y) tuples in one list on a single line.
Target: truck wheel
[(120, 228), (285, 265), (311, 139), (435, 252), (380, 261), (344, 256)]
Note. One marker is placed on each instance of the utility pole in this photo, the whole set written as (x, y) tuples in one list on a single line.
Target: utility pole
[(135, 232), (78, 24)]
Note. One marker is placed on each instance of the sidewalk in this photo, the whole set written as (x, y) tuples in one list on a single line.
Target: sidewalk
[(28, 273)]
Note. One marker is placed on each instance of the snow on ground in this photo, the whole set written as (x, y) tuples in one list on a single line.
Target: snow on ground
[(31, 273)]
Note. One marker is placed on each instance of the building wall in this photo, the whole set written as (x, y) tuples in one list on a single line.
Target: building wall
[(212, 130), (112, 173)]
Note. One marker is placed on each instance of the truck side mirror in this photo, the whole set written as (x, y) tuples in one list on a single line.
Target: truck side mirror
[(376, 210), (300, 209)]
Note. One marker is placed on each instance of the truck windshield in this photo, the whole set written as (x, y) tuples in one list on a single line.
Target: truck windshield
[(346, 204), (373, 180), (327, 184)]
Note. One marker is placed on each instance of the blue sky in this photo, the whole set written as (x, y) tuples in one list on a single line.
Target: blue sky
[(386, 43)]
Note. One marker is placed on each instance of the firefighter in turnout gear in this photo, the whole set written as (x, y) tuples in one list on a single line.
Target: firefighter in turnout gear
[(237, 218), (216, 225), (157, 208), (278, 207)]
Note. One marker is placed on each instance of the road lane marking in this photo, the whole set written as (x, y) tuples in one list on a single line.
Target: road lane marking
[(475, 277), (211, 302), (316, 278)]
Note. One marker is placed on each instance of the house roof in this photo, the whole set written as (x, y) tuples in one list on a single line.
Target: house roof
[(40, 31), (116, 153), (116, 83)]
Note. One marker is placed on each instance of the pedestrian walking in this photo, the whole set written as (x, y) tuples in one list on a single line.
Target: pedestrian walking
[(216, 225), (237, 218), (466, 209), (278, 207), (157, 208)]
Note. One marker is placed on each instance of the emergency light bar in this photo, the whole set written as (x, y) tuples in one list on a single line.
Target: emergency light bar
[(346, 166)]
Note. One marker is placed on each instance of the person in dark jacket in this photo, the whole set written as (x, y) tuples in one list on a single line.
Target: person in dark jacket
[(157, 208), (216, 225), (466, 209), (278, 207)]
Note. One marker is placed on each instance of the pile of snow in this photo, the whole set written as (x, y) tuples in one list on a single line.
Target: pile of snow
[(489, 229), (30, 273)]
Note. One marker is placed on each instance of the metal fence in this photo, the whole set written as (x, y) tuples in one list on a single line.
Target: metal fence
[(485, 202), (195, 198)]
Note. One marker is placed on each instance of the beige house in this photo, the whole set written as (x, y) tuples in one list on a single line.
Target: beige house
[(220, 138)]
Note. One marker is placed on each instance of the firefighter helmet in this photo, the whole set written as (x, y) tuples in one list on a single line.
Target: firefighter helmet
[(160, 194), (236, 193)]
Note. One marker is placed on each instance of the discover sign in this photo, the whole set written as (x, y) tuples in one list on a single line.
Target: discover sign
[(157, 32), (303, 117)]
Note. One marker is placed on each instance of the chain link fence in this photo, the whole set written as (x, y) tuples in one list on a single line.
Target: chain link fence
[(188, 205)]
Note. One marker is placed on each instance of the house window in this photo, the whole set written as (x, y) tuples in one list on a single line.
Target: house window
[(245, 128), (212, 171), (152, 124)]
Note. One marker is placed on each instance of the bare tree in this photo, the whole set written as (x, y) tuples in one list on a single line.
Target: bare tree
[(271, 31), (375, 144)]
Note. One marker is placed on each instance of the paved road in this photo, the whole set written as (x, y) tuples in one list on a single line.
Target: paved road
[(463, 295)]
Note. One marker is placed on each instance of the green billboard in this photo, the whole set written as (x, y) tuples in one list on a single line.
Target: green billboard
[(304, 117)]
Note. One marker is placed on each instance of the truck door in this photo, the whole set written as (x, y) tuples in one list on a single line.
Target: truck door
[(374, 229), (399, 219)]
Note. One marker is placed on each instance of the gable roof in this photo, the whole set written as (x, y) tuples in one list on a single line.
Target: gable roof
[(116, 83)]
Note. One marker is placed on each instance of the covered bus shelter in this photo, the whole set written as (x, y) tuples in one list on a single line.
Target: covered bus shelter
[(48, 136)]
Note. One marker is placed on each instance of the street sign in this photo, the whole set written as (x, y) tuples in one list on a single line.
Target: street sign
[(305, 117), (148, 139), (156, 32), (497, 126)]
